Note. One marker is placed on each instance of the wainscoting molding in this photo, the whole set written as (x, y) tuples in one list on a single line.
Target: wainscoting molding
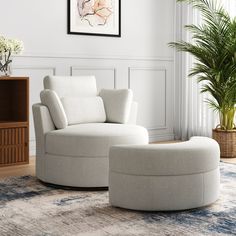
[(153, 73), (161, 137), (30, 67), (93, 57), (94, 69), (154, 69)]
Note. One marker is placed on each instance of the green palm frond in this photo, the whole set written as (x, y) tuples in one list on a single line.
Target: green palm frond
[(214, 48)]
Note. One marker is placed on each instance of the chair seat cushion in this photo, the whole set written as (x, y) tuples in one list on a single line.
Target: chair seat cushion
[(94, 139), (198, 155)]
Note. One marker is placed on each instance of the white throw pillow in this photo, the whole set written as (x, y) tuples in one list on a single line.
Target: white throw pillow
[(84, 110), (50, 99), (117, 104)]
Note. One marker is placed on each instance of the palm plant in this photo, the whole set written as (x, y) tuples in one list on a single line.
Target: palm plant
[(214, 47)]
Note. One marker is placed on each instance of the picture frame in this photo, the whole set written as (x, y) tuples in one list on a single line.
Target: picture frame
[(94, 17)]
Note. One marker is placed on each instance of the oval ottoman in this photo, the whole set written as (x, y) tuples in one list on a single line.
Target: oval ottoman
[(164, 177)]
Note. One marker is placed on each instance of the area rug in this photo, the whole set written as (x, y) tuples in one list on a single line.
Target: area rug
[(28, 207)]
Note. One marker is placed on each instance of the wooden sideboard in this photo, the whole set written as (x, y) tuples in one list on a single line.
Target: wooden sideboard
[(14, 121)]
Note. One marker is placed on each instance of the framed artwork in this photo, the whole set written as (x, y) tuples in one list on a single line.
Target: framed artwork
[(94, 17)]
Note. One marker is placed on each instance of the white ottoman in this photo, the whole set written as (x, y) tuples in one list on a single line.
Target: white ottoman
[(165, 177)]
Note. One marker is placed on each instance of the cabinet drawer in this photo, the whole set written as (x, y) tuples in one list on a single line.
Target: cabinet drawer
[(13, 146)]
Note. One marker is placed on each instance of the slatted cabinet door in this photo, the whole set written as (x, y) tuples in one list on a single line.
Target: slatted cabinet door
[(14, 120), (13, 146)]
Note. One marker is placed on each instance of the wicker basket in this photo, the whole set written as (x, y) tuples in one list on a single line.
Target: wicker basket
[(227, 142)]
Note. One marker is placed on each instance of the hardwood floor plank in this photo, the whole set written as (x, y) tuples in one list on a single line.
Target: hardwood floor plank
[(19, 170)]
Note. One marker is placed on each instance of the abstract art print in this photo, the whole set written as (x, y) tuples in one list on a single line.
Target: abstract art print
[(94, 17)]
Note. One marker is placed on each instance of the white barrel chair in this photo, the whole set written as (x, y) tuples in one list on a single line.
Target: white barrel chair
[(73, 134)]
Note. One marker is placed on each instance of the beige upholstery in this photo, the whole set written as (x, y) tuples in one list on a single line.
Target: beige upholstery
[(84, 110), (162, 177), (77, 155), (71, 86), (50, 99), (166, 159), (133, 113), (93, 140), (117, 104)]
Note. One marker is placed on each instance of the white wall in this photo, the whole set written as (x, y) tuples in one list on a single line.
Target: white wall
[(140, 59)]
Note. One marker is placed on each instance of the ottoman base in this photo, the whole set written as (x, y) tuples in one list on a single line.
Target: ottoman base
[(163, 193)]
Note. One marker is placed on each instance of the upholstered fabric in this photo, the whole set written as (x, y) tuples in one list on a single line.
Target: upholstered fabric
[(72, 86), (77, 155), (81, 171), (163, 193), (50, 99), (93, 140), (117, 104), (84, 110), (42, 123), (164, 176), (195, 156), (133, 113)]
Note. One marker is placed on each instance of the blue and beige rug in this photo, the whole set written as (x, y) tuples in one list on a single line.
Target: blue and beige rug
[(27, 207)]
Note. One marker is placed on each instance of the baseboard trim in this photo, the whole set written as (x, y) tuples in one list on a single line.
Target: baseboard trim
[(161, 137)]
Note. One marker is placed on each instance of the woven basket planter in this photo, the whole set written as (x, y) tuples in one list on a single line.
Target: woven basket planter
[(227, 142)]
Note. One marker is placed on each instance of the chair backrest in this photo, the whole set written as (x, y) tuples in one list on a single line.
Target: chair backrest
[(75, 86)]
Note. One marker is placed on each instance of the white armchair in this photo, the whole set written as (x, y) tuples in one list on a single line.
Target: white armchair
[(75, 130)]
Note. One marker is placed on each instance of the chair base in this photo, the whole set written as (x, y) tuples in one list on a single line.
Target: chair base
[(84, 172)]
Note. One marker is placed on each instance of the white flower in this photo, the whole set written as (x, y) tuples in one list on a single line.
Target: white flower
[(16, 46), (2, 45), (12, 46)]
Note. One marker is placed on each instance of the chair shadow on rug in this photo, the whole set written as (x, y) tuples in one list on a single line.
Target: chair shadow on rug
[(79, 189)]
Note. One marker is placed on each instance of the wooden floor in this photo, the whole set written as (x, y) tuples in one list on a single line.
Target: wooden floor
[(229, 160), (19, 170)]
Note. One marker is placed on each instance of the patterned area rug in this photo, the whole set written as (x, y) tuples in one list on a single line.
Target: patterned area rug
[(28, 207)]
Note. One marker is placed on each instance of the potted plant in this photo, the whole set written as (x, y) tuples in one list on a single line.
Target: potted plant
[(214, 48), (7, 48)]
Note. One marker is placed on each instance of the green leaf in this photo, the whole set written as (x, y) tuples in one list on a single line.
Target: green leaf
[(213, 45)]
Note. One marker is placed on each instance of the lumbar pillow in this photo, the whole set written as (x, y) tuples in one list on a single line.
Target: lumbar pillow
[(50, 99), (84, 110), (117, 104)]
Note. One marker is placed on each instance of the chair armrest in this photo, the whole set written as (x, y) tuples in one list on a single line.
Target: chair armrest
[(42, 124), (133, 113)]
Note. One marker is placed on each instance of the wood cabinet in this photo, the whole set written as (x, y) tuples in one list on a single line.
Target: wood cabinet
[(14, 121)]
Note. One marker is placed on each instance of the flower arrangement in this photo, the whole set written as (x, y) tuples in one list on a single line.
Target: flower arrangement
[(8, 47)]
